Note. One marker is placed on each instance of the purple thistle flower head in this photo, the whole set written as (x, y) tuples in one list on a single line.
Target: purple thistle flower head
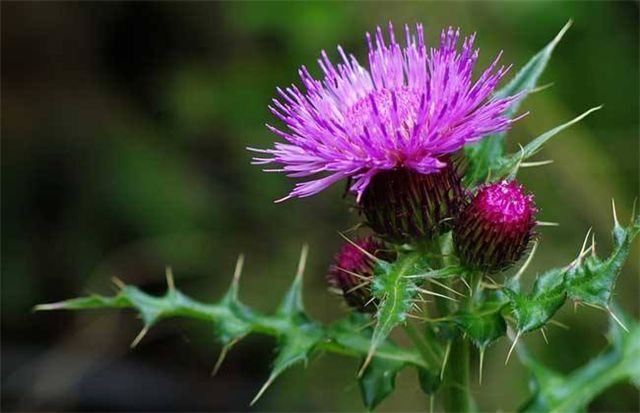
[(413, 106), (353, 271), (494, 230)]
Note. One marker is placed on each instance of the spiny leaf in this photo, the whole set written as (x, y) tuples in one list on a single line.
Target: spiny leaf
[(394, 290), (593, 280), (300, 336), (295, 345), (556, 393), (533, 310), (482, 323), (508, 166), (352, 335), (297, 334), (378, 381), (430, 380), (483, 154)]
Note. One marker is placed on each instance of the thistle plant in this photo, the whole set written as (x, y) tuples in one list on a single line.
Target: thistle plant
[(447, 231)]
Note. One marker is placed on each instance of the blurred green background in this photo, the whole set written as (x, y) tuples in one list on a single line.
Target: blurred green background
[(124, 127)]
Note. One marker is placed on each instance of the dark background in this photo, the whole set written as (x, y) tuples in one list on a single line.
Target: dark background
[(124, 127)]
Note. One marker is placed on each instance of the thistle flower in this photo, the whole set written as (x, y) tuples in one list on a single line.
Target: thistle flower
[(411, 108), (353, 270), (494, 230)]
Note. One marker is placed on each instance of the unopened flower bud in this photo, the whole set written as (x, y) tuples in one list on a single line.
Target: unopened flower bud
[(353, 270), (402, 205), (494, 230)]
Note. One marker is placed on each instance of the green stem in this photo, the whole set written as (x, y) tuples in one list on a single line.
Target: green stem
[(457, 397), (176, 304)]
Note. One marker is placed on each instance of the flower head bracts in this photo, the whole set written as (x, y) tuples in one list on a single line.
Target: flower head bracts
[(411, 107), (494, 230)]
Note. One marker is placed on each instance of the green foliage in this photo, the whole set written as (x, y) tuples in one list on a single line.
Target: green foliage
[(534, 309), (557, 393), (394, 290), (588, 280), (592, 281), (480, 317), (378, 381), (482, 322), (507, 166), (298, 336), (485, 155)]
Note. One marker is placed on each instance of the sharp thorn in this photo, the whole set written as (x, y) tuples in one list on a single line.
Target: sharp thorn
[(49, 307), (367, 361), (118, 282), (223, 354), (264, 388), (547, 224), (513, 346), (362, 277), (422, 290), (238, 269), (480, 367), (168, 272), (303, 261), (633, 209), (593, 244), (495, 284), (372, 299), (357, 287), (541, 88), (559, 324), (362, 250), (615, 214), (446, 287), (418, 317), (617, 320), (597, 307), (544, 335), (467, 285), (140, 336), (534, 164), (445, 359), (584, 243), (527, 262), (353, 228)]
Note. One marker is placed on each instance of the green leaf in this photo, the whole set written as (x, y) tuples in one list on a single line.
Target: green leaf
[(429, 380), (508, 166), (533, 310), (299, 336), (394, 288), (482, 323), (557, 393), (593, 280), (352, 336), (378, 381), (484, 154), (296, 333)]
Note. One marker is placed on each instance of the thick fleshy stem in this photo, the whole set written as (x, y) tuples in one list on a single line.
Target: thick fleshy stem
[(457, 397), (456, 394)]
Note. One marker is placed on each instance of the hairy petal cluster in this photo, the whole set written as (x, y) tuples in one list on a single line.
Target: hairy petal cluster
[(412, 106)]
